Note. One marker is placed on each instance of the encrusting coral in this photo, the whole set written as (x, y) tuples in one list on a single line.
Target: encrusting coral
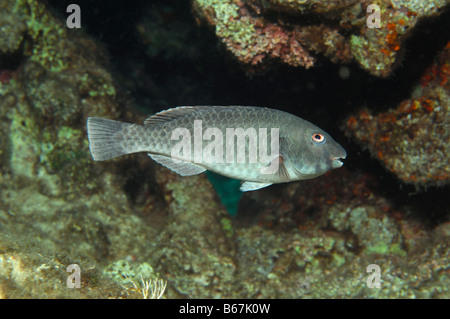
[(412, 140), (295, 31)]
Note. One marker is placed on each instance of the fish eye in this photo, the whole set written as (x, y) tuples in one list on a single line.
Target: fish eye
[(318, 138)]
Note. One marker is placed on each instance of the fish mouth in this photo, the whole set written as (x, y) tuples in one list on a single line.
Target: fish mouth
[(337, 161)]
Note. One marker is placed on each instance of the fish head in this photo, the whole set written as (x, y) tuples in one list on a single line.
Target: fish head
[(316, 152)]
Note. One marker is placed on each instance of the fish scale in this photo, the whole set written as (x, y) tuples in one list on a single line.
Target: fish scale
[(299, 155)]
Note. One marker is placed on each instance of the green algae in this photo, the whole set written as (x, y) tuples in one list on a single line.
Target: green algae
[(96, 86), (228, 22), (47, 35), (227, 227), (124, 272)]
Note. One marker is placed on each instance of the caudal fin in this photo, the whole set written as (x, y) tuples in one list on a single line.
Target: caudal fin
[(102, 135)]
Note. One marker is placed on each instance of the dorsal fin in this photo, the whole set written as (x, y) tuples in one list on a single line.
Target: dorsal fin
[(171, 114), (175, 112)]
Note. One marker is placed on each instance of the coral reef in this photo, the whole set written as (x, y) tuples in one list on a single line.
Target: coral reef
[(252, 39), (48, 180), (379, 50), (197, 239), (128, 222), (301, 29), (293, 247), (412, 140), (12, 28)]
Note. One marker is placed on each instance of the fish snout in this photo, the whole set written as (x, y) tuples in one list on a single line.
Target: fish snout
[(336, 160)]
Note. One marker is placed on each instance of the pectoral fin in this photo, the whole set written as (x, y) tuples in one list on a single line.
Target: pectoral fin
[(182, 168), (277, 168), (251, 186)]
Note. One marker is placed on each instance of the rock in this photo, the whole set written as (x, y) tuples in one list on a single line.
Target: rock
[(57, 207), (302, 29), (412, 140), (196, 248)]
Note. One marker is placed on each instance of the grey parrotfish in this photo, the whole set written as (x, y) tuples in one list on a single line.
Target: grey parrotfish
[(260, 146)]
